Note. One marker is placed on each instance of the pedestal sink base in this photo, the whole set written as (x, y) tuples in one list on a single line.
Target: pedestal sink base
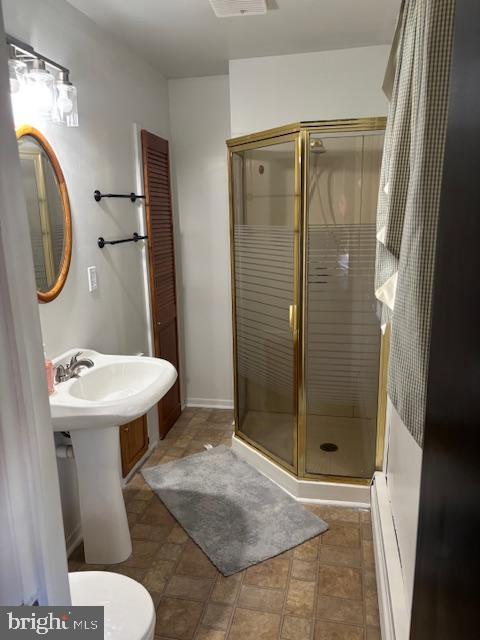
[(106, 536), (90, 405)]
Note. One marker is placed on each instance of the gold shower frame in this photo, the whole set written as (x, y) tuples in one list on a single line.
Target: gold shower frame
[(300, 133)]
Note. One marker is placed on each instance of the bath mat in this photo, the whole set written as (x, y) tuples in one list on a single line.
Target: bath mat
[(234, 513)]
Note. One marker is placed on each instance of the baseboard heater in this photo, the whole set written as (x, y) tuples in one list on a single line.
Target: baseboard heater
[(394, 617)]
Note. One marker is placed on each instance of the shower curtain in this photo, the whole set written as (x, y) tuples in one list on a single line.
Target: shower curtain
[(409, 198)]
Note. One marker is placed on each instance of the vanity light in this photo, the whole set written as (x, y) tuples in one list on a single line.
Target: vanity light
[(17, 71), (39, 86), (66, 111)]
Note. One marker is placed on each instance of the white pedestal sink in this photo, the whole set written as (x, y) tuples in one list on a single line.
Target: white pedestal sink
[(116, 390)]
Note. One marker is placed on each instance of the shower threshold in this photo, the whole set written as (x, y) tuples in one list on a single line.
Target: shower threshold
[(341, 492)]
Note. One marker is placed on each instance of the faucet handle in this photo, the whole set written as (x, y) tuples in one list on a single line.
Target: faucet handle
[(74, 358)]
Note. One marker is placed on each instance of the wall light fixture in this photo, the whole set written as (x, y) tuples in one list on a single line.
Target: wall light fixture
[(39, 86)]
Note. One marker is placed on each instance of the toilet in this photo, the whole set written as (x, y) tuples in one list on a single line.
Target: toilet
[(128, 607)]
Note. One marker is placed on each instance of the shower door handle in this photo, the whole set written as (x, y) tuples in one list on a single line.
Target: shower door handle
[(292, 318)]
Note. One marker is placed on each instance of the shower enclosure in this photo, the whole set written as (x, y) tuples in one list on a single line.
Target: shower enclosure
[(307, 340)]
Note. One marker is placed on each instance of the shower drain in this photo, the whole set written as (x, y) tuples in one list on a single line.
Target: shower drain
[(328, 446)]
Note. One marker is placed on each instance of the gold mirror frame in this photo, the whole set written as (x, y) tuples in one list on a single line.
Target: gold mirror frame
[(48, 296)]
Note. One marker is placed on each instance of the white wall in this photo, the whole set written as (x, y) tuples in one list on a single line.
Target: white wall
[(200, 124), (278, 90), (260, 93), (115, 90), (403, 471)]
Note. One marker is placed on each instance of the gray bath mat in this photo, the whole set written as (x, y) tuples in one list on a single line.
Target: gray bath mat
[(234, 513)]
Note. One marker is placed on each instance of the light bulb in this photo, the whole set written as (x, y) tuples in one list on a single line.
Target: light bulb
[(17, 70), (43, 98), (14, 85), (40, 88), (64, 104), (66, 111)]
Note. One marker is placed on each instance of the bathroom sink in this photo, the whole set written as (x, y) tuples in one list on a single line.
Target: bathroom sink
[(91, 407), (116, 390)]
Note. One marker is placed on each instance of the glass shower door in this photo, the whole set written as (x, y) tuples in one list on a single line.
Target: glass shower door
[(265, 253), (342, 325)]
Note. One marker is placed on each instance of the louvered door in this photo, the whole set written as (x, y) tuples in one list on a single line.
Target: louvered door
[(156, 173)]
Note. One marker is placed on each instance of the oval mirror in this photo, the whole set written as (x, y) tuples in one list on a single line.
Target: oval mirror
[(48, 210)]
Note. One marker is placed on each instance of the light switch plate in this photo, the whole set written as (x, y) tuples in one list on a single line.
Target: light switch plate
[(92, 279)]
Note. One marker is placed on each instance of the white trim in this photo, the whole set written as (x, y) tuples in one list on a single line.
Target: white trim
[(209, 403), (390, 584), (142, 224), (152, 414), (74, 539), (403, 473), (313, 491), (138, 464)]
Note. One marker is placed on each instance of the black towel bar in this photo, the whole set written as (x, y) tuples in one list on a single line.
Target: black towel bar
[(131, 196), (135, 238)]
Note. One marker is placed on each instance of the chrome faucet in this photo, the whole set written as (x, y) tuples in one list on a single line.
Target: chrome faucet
[(70, 370)]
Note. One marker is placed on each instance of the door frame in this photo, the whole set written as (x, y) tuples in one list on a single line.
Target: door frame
[(445, 600), (246, 146)]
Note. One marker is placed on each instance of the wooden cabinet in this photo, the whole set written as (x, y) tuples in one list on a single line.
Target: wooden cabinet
[(133, 443)]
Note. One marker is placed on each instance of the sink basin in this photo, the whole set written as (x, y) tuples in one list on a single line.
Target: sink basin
[(116, 381), (116, 390)]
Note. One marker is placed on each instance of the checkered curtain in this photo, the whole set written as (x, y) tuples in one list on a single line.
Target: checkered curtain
[(409, 198)]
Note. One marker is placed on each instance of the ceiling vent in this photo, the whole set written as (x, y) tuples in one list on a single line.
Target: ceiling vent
[(230, 8)]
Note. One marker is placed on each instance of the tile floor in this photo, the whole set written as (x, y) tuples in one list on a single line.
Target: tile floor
[(323, 589)]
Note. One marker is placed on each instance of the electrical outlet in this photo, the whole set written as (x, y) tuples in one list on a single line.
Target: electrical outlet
[(92, 279)]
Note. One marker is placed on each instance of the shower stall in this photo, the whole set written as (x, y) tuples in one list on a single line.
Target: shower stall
[(306, 327)]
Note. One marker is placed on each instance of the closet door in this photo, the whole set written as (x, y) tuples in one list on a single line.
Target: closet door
[(161, 253)]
